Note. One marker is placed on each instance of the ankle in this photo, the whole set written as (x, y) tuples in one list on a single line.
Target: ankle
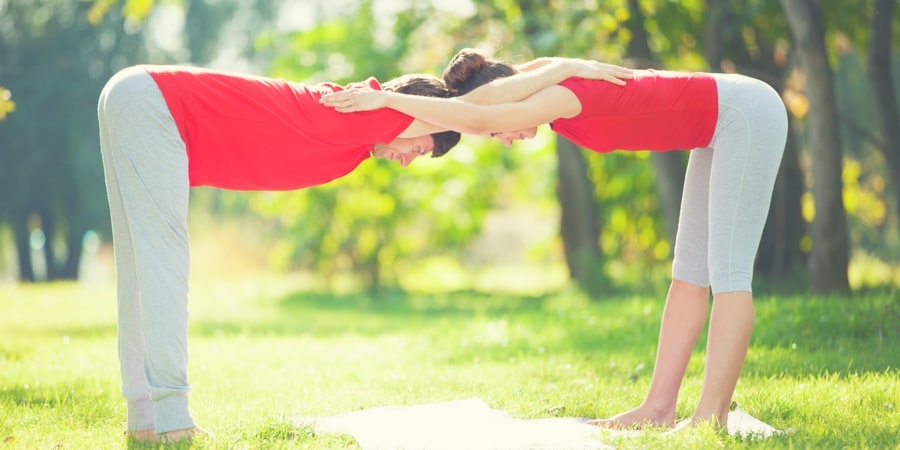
[(659, 409)]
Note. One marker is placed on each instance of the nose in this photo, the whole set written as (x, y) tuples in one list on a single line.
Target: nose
[(407, 159)]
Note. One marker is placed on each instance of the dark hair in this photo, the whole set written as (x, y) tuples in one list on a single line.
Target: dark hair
[(428, 86), (471, 68)]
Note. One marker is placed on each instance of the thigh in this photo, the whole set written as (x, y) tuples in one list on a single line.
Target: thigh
[(692, 240), (747, 152)]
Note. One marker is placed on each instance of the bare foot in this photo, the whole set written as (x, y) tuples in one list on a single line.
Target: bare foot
[(148, 435), (640, 417)]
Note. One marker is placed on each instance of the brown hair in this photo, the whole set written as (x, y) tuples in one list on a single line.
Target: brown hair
[(428, 86), (471, 68)]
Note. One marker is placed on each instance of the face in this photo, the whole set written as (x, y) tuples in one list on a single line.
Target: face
[(508, 137), (405, 150)]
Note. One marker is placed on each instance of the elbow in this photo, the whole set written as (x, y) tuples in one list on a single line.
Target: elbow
[(477, 124)]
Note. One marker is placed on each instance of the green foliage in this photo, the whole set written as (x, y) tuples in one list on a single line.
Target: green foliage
[(56, 62), (377, 221), (341, 49), (7, 105), (132, 10), (381, 219), (262, 351), (632, 227), (50, 162), (586, 29)]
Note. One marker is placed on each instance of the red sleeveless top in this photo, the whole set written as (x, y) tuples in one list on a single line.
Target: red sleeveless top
[(656, 110)]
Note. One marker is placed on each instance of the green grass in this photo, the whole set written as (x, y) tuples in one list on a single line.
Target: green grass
[(262, 348)]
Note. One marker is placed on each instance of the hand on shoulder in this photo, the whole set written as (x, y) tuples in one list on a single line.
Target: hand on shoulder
[(352, 100)]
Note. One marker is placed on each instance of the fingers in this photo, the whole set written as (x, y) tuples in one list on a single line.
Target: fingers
[(611, 73), (340, 101), (617, 71), (333, 99), (344, 108)]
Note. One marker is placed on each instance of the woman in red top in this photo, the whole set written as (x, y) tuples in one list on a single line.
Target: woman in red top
[(164, 129), (737, 128)]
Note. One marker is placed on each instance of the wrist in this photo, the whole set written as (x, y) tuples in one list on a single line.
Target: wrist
[(571, 67), (389, 99)]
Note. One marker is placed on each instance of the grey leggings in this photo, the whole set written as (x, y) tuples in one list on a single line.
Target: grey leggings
[(146, 168), (728, 187)]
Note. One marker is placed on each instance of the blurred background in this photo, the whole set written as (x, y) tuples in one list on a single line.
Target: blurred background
[(542, 214)]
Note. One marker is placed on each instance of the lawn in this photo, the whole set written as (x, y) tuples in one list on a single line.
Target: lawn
[(263, 348)]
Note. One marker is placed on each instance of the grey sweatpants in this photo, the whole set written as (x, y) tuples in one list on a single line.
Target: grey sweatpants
[(146, 168), (728, 187)]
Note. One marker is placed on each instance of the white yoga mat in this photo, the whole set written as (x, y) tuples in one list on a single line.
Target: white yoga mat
[(472, 424)]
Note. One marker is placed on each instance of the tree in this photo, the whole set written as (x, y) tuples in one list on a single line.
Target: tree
[(56, 63), (829, 256), (579, 218), (731, 30), (883, 89), (379, 221), (669, 167)]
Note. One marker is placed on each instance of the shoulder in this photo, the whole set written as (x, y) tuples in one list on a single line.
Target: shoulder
[(369, 83), (561, 99)]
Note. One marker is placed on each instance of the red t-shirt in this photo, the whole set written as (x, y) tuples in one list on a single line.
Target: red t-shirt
[(246, 132), (656, 110)]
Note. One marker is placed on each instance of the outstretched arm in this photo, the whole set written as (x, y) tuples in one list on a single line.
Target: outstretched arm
[(543, 72), (461, 114), (457, 114)]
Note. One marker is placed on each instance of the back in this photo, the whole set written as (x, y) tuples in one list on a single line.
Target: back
[(255, 133), (656, 110)]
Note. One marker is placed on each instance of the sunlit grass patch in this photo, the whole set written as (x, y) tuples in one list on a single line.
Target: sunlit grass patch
[(263, 349)]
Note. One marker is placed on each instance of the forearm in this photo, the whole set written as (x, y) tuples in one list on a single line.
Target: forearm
[(536, 75), (449, 114), (535, 63)]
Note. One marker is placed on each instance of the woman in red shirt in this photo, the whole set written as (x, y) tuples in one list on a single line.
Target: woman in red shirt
[(736, 126), (164, 129)]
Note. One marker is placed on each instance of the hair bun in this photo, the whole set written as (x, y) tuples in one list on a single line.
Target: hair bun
[(464, 65)]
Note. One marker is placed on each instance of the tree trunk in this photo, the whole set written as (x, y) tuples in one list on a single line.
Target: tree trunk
[(883, 89), (22, 237), (48, 226), (780, 252), (579, 221), (670, 169), (829, 257), (69, 267)]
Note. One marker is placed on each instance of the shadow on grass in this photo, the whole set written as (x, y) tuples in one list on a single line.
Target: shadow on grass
[(325, 315), (793, 336), (552, 321)]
